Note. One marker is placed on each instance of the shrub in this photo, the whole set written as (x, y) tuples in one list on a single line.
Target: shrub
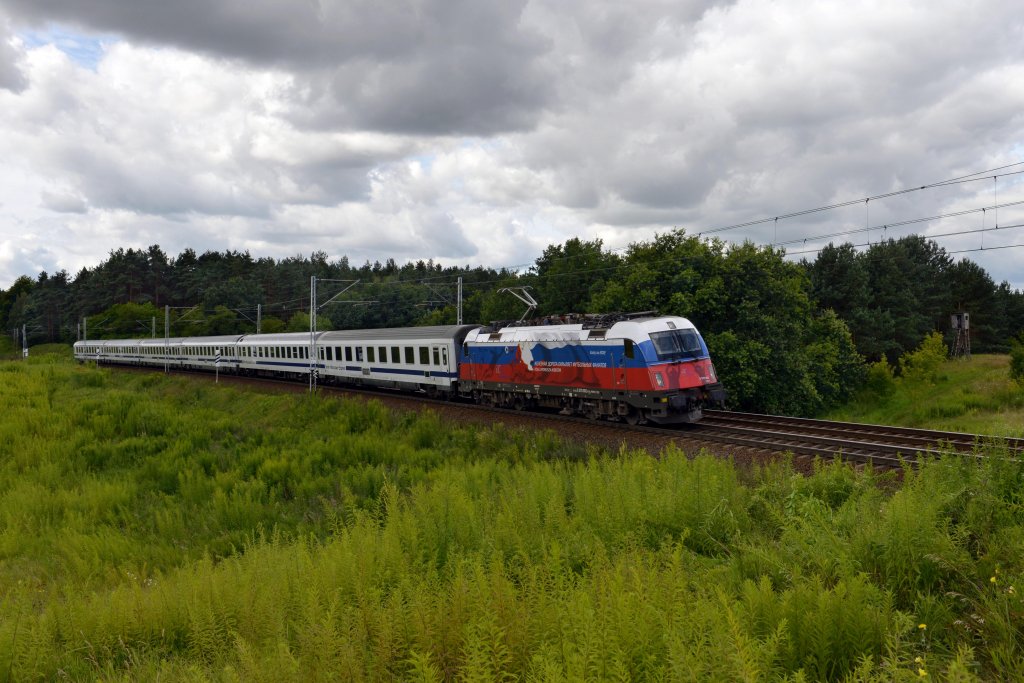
[(924, 362), (1017, 360), (880, 378)]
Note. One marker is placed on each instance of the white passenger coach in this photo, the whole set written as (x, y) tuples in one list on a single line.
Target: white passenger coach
[(413, 358)]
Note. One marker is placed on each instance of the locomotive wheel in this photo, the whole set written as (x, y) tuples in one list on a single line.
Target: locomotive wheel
[(634, 417)]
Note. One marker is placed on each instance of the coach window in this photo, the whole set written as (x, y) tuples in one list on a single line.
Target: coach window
[(424, 355), (348, 353), (383, 350), (444, 356), (396, 357), (359, 354), (437, 356), (371, 356), (410, 357), (628, 348)]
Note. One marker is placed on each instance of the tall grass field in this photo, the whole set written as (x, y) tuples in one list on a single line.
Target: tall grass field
[(975, 396), (156, 528)]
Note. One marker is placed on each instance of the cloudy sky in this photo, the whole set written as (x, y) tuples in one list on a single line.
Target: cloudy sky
[(480, 131)]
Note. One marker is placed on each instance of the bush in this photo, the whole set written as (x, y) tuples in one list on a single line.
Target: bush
[(924, 362), (1017, 360), (880, 378)]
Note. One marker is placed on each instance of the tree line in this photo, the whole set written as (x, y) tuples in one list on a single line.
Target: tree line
[(787, 337)]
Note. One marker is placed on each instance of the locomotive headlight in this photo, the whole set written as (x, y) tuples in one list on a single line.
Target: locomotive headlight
[(659, 379)]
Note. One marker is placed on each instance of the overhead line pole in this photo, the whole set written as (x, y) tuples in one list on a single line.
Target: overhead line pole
[(313, 308)]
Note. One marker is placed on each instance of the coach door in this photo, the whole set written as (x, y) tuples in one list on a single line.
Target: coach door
[(439, 358)]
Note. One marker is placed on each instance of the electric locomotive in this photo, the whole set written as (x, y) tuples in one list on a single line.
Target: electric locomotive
[(634, 367)]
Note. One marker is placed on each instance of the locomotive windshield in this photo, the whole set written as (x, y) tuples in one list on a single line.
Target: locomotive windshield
[(677, 344)]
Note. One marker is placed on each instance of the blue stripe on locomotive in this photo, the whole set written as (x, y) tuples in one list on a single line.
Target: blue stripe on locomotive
[(562, 353), (566, 353)]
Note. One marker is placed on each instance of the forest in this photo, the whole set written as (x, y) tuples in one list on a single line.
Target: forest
[(770, 322)]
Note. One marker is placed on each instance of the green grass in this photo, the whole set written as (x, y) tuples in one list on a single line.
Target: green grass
[(158, 528), (974, 396)]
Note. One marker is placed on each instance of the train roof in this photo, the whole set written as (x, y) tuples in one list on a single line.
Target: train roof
[(638, 329), (434, 332), (218, 339), (124, 342), (277, 338)]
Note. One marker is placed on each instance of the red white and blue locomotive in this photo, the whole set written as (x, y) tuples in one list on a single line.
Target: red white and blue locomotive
[(636, 368)]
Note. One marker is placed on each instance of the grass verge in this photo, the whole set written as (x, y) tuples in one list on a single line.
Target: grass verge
[(159, 528)]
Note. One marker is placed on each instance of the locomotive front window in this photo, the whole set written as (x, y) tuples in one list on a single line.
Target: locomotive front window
[(676, 344)]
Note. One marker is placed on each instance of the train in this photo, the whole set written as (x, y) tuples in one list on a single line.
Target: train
[(636, 368)]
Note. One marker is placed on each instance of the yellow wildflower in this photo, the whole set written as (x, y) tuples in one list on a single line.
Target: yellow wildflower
[(922, 626), (993, 579), (922, 673)]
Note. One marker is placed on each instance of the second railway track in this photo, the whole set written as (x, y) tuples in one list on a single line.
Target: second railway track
[(879, 444)]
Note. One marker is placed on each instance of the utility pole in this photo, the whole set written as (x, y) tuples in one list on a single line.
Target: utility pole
[(313, 308), (312, 332), (167, 334), (259, 317), (85, 328), (152, 334), (24, 343), (458, 307)]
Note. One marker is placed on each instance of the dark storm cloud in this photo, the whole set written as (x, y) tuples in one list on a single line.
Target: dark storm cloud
[(418, 66)]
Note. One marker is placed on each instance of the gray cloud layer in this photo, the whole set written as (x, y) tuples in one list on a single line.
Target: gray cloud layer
[(474, 129)]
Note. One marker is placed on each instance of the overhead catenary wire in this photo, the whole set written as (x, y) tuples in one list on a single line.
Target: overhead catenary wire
[(505, 273)]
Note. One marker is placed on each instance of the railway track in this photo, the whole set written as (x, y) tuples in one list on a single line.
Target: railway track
[(876, 445)]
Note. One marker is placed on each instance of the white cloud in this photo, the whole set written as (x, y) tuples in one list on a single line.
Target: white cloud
[(481, 132)]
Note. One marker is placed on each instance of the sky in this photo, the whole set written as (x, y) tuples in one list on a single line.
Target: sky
[(478, 132)]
